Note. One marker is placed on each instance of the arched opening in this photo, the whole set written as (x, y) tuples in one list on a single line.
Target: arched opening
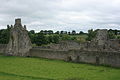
[(69, 58), (77, 59), (97, 60)]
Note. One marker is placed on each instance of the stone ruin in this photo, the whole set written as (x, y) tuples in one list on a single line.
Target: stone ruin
[(100, 43), (100, 50), (19, 43)]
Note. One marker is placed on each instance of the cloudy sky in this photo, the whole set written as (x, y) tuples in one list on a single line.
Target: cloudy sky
[(61, 14)]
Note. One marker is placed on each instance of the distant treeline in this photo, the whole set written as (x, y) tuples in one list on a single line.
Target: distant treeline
[(45, 37), (48, 36), (73, 32)]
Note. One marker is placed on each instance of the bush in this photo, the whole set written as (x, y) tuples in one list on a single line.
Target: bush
[(111, 35), (91, 34)]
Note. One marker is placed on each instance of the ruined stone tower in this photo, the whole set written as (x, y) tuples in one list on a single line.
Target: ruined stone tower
[(102, 36), (19, 43)]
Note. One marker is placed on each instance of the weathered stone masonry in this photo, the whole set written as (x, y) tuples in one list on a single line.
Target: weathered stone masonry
[(100, 50), (19, 43), (93, 57)]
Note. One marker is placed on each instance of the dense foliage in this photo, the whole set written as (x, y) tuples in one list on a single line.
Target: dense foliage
[(91, 34), (112, 34), (42, 38), (4, 36), (45, 37)]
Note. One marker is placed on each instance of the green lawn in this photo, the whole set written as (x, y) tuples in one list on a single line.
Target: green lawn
[(21, 68), (83, 36)]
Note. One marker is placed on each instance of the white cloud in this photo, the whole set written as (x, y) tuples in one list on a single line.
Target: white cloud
[(61, 14)]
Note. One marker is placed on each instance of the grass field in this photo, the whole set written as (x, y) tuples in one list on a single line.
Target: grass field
[(83, 36), (21, 68), (80, 38)]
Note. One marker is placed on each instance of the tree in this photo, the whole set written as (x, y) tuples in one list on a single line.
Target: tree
[(91, 34), (69, 33), (4, 36), (42, 31), (118, 37), (63, 32), (81, 32), (56, 38), (50, 39), (40, 39), (65, 37), (73, 32), (73, 38), (31, 35), (45, 32), (32, 32), (50, 32), (116, 32), (111, 35), (57, 32)]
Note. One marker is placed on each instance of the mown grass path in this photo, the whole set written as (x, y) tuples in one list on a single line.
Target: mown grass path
[(21, 68)]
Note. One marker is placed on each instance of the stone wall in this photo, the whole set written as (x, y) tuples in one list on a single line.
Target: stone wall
[(100, 51), (3, 48), (100, 43), (93, 57), (48, 53), (65, 45), (96, 57)]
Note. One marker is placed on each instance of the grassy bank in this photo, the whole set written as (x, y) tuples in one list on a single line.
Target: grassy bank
[(21, 68)]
